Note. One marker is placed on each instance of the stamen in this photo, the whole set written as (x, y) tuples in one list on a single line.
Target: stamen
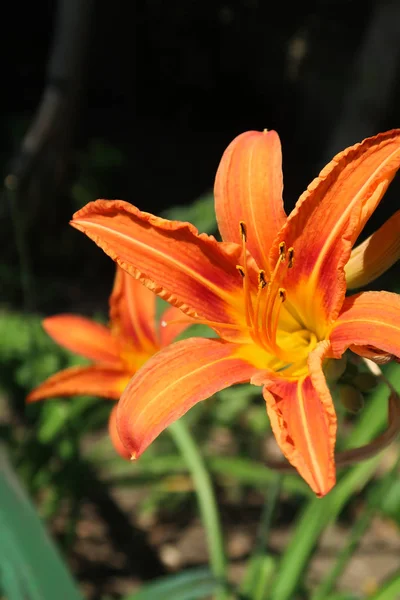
[(243, 230), (241, 270), (262, 319), (275, 297), (271, 297), (261, 279), (290, 257), (262, 283), (275, 317)]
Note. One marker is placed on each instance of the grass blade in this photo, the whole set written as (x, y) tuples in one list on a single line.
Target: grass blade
[(32, 568), (191, 585), (390, 590)]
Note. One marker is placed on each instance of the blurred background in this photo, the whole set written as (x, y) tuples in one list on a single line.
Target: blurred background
[(137, 101)]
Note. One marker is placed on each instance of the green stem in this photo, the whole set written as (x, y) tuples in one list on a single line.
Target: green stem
[(207, 502)]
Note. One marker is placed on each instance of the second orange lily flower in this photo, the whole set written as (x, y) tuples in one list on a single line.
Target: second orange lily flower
[(274, 290), (117, 350)]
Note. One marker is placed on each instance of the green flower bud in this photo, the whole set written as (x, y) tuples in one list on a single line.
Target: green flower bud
[(351, 398), (365, 382)]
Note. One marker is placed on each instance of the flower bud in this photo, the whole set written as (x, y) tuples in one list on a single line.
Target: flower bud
[(351, 398)]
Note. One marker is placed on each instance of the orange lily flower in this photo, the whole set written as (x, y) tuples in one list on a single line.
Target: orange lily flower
[(117, 350), (274, 290)]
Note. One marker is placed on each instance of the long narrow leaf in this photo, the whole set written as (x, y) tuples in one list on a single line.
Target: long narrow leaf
[(390, 590), (191, 585), (30, 565)]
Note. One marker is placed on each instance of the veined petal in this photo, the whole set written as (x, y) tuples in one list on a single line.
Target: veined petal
[(132, 312), (173, 381), (96, 380), (173, 322), (191, 271), (375, 255), (114, 435), (83, 336), (368, 324), (303, 420), (248, 188), (327, 220)]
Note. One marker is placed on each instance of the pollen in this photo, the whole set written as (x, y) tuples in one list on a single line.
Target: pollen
[(290, 257), (262, 282), (262, 312), (241, 270), (243, 230)]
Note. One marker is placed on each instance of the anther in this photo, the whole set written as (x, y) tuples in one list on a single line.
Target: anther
[(243, 230), (290, 257), (282, 251), (241, 270), (282, 294), (262, 282)]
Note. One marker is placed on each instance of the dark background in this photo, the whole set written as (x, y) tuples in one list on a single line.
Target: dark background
[(149, 94)]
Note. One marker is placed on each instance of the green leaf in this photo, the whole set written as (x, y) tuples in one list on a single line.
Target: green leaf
[(201, 213), (390, 590), (260, 571), (190, 585), (390, 504), (31, 567)]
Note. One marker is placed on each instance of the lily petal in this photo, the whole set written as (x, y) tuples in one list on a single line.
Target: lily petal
[(327, 220), (84, 337), (368, 324), (114, 435), (375, 255), (191, 271), (95, 380), (173, 322), (132, 311), (173, 381), (303, 420), (248, 188)]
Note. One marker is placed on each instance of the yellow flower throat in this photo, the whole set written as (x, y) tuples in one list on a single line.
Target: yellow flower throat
[(275, 330)]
